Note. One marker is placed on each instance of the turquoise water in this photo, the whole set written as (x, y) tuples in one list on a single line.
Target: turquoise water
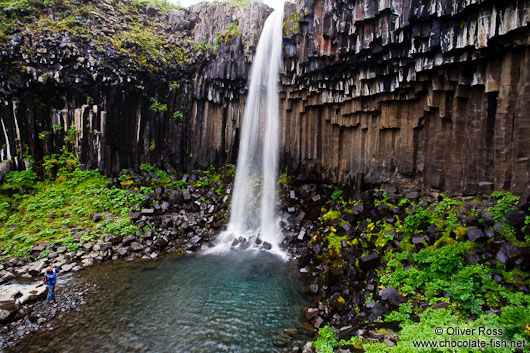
[(240, 302)]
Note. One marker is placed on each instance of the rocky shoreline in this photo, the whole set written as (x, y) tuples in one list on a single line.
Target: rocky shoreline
[(346, 280)]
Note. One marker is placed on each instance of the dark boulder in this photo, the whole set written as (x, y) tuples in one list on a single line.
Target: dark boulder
[(392, 296), (507, 254), (369, 261), (475, 234), (516, 217)]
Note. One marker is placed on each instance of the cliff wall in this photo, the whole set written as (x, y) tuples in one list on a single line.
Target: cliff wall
[(124, 84), (435, 92)]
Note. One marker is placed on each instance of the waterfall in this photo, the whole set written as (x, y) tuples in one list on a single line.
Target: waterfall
[(253, 221)]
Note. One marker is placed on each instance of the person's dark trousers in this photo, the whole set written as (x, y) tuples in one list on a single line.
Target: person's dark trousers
[(51, 288)]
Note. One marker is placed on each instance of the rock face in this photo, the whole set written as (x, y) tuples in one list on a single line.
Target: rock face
[(119, 104), (435, 92)]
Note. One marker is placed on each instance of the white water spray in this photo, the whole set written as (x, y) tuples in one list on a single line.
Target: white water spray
[(253, 220)]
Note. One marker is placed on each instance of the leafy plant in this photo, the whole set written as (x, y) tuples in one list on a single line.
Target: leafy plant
[(157, 106), (147, 168), (505, 203), (178, 114)]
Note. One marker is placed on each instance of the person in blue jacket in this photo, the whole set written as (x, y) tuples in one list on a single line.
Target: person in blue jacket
[(50, 278)]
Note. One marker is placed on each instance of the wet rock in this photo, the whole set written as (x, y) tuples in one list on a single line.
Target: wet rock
[(524, 199), (97, 217), (313, 288), (105, 246), (267, 245), (38, 248), (302, 233), (134, 216)]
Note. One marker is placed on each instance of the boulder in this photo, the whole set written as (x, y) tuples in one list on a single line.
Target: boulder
[(67, 267), (507, 254), (310, 313), (369, 261), (392, 296), (6, 315), (516, 217), (87, 247), (147, 211), (475, 234), (128, 239), (35, 269), (135, 246), (105, 246)]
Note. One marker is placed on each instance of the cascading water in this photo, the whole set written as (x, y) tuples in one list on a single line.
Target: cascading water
[(253, 221)]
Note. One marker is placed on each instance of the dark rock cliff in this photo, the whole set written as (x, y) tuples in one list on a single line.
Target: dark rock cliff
[(435, 92), (126, 84)]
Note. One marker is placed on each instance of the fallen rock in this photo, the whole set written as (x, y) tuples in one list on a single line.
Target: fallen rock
[(475, 234), (516, 217), (36, 268), (6, 315), (392, 296), (507, 254), (310, 313), (369, 261)]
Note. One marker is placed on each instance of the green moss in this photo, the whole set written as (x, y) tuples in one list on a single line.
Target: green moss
[(291, 26)]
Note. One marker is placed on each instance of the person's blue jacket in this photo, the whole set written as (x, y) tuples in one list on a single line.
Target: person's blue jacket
[(51, 278)]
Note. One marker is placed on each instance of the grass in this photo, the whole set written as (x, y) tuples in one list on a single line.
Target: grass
[(55, 209)]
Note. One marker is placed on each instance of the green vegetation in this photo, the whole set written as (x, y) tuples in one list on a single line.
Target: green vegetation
[(65, 202), (226, 35), (162, 5), (57, 208), (157, 107), (178, 115), (291, 26), (327, 340), (441, 286), (235, 3), (138, 40)]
